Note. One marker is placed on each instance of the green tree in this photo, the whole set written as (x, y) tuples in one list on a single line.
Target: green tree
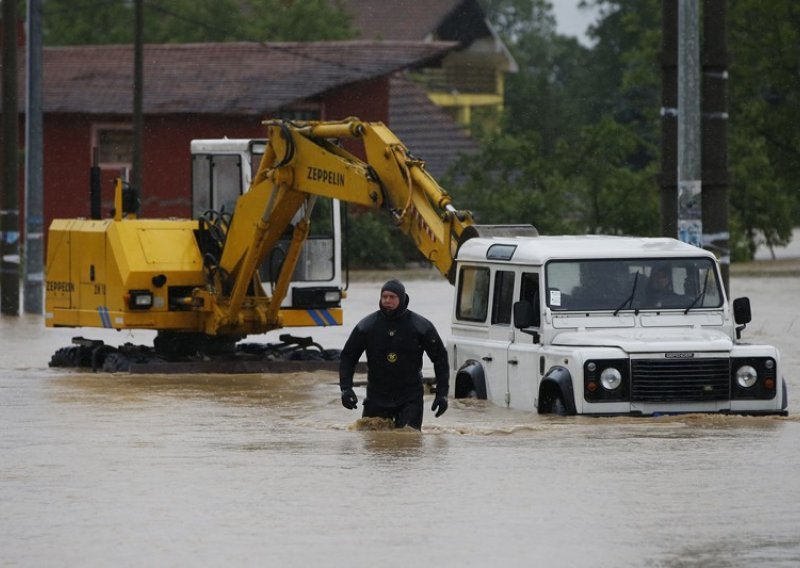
[(765, 109), (611, 197), (626, 72), (762, 210), (594, 114), (510, 181), (80, 22), (372, 240), (577, 151), (550, 95)]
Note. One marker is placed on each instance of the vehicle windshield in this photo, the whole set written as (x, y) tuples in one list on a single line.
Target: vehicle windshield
[(632, 284)]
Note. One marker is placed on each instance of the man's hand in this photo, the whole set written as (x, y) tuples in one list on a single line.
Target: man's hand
[(440, 403), (350, 400)]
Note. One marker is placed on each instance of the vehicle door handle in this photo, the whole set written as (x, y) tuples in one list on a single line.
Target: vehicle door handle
[(512, 361), (487, 358)]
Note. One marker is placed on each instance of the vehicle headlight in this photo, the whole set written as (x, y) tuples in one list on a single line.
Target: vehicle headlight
[(610, 378), (140, 299), (746, 376)]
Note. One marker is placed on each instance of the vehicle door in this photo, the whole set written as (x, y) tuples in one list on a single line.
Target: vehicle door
[(470, 327), (500, 332), (525, 349)]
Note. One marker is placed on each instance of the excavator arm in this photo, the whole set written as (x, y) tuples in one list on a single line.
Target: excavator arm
[(304, 160)]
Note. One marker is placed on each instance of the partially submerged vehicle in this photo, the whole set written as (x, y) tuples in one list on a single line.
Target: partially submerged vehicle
[(603, 325)]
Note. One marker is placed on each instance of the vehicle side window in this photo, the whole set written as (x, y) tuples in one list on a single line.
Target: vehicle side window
[(503, 297), (529, 288), (473, 293), (529, 291)]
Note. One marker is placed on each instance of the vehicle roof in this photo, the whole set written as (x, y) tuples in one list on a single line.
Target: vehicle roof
[(538, 250), (220, 144)]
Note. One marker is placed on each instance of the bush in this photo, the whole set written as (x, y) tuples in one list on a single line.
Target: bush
[(372, 241)]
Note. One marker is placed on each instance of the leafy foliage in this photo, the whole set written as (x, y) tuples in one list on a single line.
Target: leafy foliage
[(763, 213), (80, 22), (580, 147), (373, 242), (612, 196), (765, 109)]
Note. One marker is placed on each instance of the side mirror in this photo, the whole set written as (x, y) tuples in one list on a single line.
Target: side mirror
[(741, 314), (741, 311), (525, 315)]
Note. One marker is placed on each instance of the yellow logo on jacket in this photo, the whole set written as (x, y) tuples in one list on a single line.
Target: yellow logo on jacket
[(391, 357)]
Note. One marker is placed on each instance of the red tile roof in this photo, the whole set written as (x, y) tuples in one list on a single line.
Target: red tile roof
[(221, 78), (399, 19)]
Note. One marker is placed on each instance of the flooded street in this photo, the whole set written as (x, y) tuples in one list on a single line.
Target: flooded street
[(257, 470)]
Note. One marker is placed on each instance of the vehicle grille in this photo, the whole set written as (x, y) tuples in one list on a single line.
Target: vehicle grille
[(684, 380)]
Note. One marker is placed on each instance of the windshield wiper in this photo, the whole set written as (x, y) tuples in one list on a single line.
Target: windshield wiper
[(629, 299), (700, 296)]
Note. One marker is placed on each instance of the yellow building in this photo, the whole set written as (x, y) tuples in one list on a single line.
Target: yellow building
[(469, 78)]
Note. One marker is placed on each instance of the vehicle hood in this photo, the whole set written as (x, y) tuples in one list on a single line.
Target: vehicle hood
[(640, 340)]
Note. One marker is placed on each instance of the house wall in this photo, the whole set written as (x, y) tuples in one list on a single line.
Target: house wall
[(368, 101), (68, 142), (167, 160)]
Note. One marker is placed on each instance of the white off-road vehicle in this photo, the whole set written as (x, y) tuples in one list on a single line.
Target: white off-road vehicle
[(602, 325)]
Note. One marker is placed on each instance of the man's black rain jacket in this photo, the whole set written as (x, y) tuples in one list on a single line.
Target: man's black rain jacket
[(394, 342)]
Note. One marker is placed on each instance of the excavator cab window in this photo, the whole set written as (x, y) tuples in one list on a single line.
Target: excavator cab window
[(216, 183), (317, 259)]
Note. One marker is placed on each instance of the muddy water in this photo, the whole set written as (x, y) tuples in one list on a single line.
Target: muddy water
[(100, 470)]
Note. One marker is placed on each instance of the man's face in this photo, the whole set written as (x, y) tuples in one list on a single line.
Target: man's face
[(660, 279), (389, 300)]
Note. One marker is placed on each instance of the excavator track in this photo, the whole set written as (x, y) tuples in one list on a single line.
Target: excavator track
[(291, 354)]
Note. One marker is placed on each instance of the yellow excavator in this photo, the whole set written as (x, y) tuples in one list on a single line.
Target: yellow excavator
[(196, 282)]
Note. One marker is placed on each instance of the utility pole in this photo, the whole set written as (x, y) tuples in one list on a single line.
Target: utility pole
[(715, 133), (9, 200), (669, 118), (690, 189), (707, 223), (138, 96), (34, 188)]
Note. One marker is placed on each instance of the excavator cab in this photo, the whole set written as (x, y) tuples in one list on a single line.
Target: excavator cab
[(222, 170)]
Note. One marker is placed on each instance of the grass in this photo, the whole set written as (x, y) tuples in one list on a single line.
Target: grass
[(782, 267)]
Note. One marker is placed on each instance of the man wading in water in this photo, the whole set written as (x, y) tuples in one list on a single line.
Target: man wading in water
[(394, 338)]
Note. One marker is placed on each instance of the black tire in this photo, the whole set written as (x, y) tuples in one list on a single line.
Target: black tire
[(465, 388), (116, 363), (332, 354), (306, 355), (558, 407), (553, 403), (66, 357)]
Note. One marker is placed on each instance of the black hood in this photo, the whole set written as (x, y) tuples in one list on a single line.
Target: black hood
[(399, 289)]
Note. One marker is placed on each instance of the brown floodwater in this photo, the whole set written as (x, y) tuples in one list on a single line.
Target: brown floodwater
[(270, 470)]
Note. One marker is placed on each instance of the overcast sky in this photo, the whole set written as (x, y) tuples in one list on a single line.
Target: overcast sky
[(571, 20)]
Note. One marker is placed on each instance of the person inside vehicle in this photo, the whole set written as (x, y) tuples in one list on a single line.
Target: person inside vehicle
[(659, 287), (394, 339)]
